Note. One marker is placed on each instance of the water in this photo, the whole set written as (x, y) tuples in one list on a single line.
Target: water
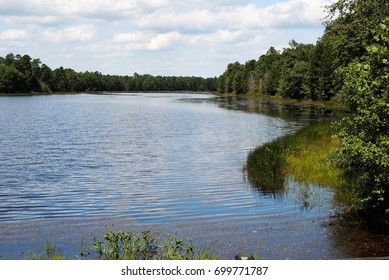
[(151, 157), (147, 159)]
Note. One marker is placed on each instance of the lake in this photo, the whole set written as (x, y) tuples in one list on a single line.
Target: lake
[(75, 165)]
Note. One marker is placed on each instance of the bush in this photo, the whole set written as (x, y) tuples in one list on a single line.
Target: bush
[(364, 136)]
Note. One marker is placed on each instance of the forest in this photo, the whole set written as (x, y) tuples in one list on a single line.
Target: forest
[(22, 74)]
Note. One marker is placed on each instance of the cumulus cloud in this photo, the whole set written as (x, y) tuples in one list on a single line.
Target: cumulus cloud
[(198, 19), (139, 40), (130, 37), (98, 9), (162, 41), (13, 35), (248, 16), (79, 33), (195, 14), (34, 20)]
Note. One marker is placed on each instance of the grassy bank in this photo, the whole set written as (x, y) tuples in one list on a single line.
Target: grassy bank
[(304, 156)]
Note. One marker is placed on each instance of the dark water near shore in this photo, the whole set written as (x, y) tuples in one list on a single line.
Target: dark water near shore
[(173, 161)]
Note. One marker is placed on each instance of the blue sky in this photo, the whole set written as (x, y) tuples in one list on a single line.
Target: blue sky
[(158, 37)]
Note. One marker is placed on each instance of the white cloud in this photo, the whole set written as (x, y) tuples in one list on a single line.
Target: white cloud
[(13, 35), (169, 14), (294, 13), (98, 9), (130, 37), (34, 20), (131, 41), (187, 20), (79, 33), (162, 41), (216, 38)]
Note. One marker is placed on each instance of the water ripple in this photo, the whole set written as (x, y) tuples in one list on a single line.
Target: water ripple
[(150, 159)]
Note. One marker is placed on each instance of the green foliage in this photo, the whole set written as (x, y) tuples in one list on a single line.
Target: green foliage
[(17, 74), (292, 73), (127, 245), (364, 136), (295, 75)]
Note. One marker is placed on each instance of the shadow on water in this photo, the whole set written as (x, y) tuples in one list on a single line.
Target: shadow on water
[(273, 108)]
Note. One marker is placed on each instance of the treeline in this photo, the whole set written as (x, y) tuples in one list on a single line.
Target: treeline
[(288, 73), (310, 71), (22, 74)]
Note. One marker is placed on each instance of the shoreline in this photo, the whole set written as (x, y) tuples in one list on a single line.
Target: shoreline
[(271, 237), (71, 236)]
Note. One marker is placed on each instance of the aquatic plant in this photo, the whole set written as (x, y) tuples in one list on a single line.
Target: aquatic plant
[(49, 252), (304, 156), (265, 167), (127, 245)]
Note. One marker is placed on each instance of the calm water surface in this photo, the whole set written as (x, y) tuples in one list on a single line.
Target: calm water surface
[(149, 158), (156, 158)]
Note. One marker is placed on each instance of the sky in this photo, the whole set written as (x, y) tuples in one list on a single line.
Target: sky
[(157, 37)]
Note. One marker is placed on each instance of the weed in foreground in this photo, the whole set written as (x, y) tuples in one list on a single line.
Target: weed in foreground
[(49, 252), (127, 245)]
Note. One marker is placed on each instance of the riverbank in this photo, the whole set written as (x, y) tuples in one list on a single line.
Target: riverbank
[(304, 157)]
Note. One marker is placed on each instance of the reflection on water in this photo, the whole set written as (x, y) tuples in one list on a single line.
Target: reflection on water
[(293, 111), (305, 196)]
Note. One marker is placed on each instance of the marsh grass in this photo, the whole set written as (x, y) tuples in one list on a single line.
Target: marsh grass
[(266, 166), (309, 157), (304, 156)]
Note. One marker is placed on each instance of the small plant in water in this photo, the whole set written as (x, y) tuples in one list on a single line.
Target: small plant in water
[(48, 253), (143, 246)]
